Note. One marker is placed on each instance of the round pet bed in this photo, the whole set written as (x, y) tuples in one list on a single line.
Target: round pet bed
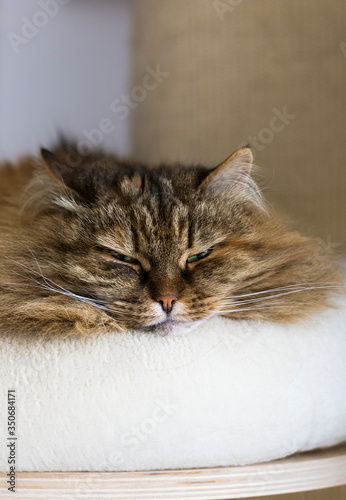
[(229, 392)]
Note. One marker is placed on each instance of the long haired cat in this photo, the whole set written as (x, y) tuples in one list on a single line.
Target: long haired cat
[(109, 245)]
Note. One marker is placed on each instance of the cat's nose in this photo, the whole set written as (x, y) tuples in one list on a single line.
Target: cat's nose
[(167, 302)]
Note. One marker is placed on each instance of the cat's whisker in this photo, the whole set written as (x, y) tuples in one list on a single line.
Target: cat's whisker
[(250, 301), (34, 271), (62, 291), (262, 307), (297, 285), (66, 293), (46, 280), (24, 284), (44, 287), (53, 282), (39, 267), (44, 277)]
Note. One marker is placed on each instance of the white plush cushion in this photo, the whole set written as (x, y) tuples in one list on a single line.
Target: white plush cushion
[(229, 392)]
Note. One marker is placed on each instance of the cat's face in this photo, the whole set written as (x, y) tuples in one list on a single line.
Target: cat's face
[(159, 248)]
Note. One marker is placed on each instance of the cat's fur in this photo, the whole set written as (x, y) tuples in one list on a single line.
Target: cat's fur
[(57, 222)]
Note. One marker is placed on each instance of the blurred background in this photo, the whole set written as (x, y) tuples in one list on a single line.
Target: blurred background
[(190, 81), (62, 63)]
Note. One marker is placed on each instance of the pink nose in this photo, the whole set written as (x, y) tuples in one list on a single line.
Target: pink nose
[(167, 302)]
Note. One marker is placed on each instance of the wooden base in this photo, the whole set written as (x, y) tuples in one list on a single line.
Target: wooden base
[(308, 471)]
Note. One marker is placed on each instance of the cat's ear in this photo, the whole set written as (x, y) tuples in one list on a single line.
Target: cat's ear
[(78, 182), (232, 175), (60, 171), (232, 178)]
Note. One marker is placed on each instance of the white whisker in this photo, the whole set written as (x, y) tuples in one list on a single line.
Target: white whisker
[(290, 292), (264, 307), (289, 287), (62, 290), (50, 286)]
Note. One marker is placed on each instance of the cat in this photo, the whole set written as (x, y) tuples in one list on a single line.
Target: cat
[(108, 245)]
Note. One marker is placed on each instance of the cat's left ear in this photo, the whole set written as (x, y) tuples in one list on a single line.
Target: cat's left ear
[(230, 176), (232, 179)]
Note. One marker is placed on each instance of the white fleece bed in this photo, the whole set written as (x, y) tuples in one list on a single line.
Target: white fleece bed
[(228, 393)]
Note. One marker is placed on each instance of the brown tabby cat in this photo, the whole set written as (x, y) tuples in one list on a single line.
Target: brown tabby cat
[(111, 245)]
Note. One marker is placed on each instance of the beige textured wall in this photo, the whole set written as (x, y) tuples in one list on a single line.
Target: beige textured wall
[(230, 64)]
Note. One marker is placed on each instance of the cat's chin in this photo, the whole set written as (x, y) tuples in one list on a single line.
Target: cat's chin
[(173, 327)]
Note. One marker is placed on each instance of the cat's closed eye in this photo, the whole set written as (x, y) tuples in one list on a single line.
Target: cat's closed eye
[(114, 256), (124, 258), (199, 256)]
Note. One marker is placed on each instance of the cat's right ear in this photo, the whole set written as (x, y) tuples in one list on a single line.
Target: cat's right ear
[(58, 170), (77, 181)]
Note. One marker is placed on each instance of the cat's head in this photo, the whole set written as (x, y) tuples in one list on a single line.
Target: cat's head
[(159, 247), (156, 246)]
